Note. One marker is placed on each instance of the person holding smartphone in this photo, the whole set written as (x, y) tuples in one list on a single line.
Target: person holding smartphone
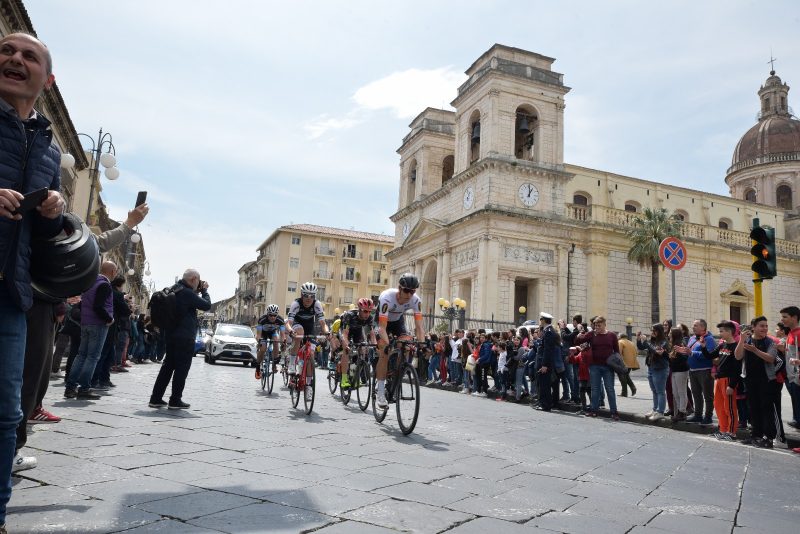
[(760, 357)]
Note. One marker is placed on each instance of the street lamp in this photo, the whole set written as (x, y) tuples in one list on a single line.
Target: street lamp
[(107, 159), (452, 310), (337, 311), (522, 311), (629, 327)]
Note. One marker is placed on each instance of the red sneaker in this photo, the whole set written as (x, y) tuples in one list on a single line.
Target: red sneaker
[(40, 415), (258, 373), (797, 450)]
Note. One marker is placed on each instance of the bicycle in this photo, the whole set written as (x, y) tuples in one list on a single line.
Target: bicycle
[(333, 373), (359, 375), (269, 368), (402, 386), (305, 381)]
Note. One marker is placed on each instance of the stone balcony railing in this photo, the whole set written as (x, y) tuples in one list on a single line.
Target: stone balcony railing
[(768, 158), (690, 231)]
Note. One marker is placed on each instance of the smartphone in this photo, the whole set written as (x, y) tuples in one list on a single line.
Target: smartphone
[(141, 198), (30, 201)]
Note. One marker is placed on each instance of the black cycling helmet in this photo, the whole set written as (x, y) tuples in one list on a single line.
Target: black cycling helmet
[(409, 281), (67, 264)]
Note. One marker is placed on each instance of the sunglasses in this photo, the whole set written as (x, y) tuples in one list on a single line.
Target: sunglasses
[(308, 295), (272, 315), (409, 291)]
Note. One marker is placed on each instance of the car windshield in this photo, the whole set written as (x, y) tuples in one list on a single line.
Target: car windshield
[(235, 331)]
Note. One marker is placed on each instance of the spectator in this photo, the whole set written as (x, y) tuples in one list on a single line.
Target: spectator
[(482, 366), (582, 358), (603, 344), (790, 317), (628, 352), (702, 384), (455, 357), (657, 368), (729, 370), (679, 373), (180, 340), (546, 362)]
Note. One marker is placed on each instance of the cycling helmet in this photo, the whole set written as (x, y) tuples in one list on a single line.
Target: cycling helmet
[(67, 264), (273, 309), (409, 281), (365, 304), (309, 288)]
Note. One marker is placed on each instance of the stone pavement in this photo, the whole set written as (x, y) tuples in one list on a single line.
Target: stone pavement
[(240, 461)]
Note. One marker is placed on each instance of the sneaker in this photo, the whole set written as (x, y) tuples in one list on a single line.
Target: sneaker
[(23, 463), (447, 384), (108, 385), (430, 382), (648, 414), (750, 441), (40, 415), (694, 419), (668, 413), (764, 443), (475, 394), (70, 393), (614, 417), (345, 381), (380, 400), (724, 436), (157, 404), (796, 450), (258, 373), (706, 421), (633, 392), (86, 394), (56, 376), (101, 387), (122, 369), (178, 405), (656, 416)]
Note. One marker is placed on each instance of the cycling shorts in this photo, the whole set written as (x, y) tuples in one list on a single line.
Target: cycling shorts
[(397, 328)]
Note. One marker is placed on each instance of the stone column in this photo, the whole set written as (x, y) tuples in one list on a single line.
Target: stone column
[(441, 290), (596, 281), (713, 300), (488, 255), (445, 269), (562, 292)]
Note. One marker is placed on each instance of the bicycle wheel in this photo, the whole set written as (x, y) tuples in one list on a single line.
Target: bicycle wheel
[(285, 372), (407, 399), (308, 394), (333, 382), (270, 378), (379, 413), (364, 386), (294, 395), (264, 371), (346, 393)]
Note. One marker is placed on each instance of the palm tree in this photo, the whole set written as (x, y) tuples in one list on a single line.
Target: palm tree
[(647, 233)]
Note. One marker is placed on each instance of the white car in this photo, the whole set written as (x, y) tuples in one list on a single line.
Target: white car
[(232, 343)]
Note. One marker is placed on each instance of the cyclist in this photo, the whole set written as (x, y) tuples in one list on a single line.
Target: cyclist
[(272, 330), (304, 315), (392, 306), (335, 336), (354, 324)]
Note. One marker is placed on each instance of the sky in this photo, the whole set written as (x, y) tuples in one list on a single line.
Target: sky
[(242, 116)]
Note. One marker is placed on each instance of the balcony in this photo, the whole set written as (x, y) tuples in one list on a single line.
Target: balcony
[(351, 254), (378, 281), (324, 251), (354, 279), (345, 301), (378, 259), (605, 216), (323, 275)]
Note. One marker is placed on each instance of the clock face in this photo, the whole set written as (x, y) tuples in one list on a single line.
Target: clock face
[(469, 198), (406, 230), (528, 194)]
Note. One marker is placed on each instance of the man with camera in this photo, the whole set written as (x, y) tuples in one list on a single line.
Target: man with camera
[(191, 294)]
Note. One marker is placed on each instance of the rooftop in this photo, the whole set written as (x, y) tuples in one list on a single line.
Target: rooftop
[(338, 232)]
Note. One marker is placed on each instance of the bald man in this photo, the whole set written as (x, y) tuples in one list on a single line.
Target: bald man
[(97, 314)]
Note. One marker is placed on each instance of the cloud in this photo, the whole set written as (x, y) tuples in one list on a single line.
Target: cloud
[(319, 126), (408, 92)]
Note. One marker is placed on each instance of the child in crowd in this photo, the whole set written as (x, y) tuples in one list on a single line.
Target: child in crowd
[(583, 359)]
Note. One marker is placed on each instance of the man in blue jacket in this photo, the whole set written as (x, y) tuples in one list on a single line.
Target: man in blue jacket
[(191, 294), (29, 161), (700, 378)]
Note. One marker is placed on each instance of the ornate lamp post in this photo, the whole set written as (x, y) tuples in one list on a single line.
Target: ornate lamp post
[(452, 310), (107, 159), (522, 311), (629, 327)]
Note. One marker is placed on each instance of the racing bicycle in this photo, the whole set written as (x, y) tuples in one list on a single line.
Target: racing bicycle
[(359, 375), (402, 385)]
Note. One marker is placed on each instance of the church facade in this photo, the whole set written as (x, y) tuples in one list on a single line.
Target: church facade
[(489, 212)]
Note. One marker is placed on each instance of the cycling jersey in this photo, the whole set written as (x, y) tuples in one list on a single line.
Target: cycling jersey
[(308, 318), (337, 324), (269, 328), (357, 326), (389, 310)]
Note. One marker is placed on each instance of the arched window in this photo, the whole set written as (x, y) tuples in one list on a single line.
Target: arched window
[(474, 137), (631, 207), (448, 164), (580, 200), (783, 197), (724, 224), (681, 215), (525, 128), (750, 195), (411, 191)]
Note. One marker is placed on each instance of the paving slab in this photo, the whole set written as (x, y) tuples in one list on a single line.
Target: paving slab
[(325, 499), (195, 505), (408, 516), (263, 517), (77, 517)]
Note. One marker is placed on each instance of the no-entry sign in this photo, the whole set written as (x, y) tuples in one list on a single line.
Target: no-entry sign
[(672, 253)]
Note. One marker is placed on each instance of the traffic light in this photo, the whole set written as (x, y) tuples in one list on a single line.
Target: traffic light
[(764, 264)]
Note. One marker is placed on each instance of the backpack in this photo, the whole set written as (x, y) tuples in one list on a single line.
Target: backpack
[(163, 308)]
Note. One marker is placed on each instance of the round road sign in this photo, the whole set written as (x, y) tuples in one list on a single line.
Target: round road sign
[(672, 253)]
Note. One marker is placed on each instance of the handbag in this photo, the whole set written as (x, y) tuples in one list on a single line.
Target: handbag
[(470, 365), (617, 364)]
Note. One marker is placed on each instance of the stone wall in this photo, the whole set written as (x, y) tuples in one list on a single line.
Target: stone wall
[(577, 284), (691, 296), (628, 293)]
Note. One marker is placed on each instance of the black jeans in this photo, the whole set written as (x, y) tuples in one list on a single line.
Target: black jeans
[(546, 389), (38, 360), (180, 353), (761, 394)]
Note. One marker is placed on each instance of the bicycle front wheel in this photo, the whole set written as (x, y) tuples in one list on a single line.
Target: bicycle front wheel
[(379, 413), (264, 371), (270, 379), (364, 386), (333, 382), (310, 391), (294, 394), (407, 399)]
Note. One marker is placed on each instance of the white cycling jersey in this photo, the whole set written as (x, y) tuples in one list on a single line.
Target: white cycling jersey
[(390, 310)]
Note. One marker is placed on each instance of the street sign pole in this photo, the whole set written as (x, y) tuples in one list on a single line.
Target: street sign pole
[(674, 313), (672, 253)]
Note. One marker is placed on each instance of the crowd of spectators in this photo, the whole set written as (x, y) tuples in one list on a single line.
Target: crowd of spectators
[(738, 375)]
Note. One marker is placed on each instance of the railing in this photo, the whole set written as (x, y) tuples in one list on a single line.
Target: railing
[(323, 275), (324, 251), (378, 281), (433, 322), (345, 300), (378, 259), (692, 231), (355, 255), (355, 278), (769, 158)]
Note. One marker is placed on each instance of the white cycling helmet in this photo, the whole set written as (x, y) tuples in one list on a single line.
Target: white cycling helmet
[(273, 309), (309, 288)]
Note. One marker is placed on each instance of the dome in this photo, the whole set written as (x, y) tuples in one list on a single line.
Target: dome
[(771, 136)]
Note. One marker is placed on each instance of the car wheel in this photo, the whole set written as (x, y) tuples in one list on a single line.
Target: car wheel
[(211, 360), (205, 358)]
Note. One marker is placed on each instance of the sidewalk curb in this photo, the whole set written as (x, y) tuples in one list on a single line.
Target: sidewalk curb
[(792, 438)]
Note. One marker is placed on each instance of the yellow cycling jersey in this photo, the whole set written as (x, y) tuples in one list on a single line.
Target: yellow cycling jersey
[(336, 325)]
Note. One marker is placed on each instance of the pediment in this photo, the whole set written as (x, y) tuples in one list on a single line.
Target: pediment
[(737, 290), (422, 229)]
